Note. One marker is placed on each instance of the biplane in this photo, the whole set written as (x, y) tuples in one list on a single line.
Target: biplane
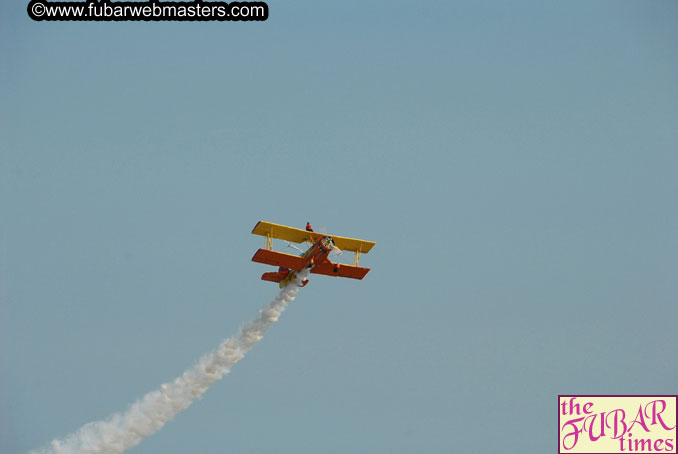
[(316, 257)]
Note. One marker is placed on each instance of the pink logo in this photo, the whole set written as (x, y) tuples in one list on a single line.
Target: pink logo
[(617, 424)]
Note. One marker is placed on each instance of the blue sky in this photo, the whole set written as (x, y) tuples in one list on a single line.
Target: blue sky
[(515, 163)]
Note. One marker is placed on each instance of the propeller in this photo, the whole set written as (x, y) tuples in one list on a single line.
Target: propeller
[(295, 247)]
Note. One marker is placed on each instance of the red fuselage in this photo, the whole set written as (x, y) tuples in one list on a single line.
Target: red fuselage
[(314, 255)]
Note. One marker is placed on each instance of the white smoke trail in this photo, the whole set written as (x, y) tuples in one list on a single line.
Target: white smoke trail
[(121, 431)]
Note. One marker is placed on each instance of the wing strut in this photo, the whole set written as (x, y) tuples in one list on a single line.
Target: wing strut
[(356, 258)]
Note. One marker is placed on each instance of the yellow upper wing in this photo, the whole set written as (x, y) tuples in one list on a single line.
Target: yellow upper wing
[(284, 232), (351, 244)]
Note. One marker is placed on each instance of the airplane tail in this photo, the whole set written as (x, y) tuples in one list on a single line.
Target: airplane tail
[(278, 276)]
